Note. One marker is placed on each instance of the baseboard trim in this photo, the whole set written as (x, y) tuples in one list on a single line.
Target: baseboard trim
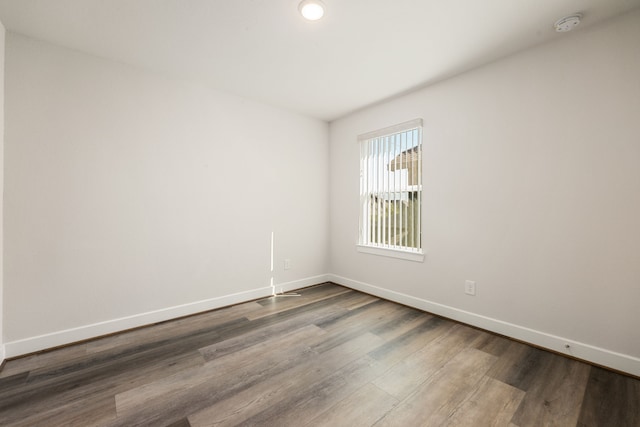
[(596, 355), (69, 336), (301, 283)]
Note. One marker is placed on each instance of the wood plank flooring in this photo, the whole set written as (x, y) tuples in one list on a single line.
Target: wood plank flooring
[(331, 357)]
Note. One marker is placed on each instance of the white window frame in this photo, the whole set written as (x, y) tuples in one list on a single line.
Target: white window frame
[(382, 144)]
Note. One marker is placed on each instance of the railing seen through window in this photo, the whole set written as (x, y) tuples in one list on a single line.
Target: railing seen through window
[(391, 188)]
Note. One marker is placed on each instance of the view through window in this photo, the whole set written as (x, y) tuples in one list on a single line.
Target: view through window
[(391, 188)]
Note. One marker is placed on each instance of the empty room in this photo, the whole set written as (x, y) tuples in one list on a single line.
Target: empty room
[(320, 213)]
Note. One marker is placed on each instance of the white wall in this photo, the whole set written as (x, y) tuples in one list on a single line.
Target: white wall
[(531, 188), (131, 197), (2, 37)]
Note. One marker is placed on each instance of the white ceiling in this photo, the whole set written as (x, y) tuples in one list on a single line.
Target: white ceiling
[(361, 52)]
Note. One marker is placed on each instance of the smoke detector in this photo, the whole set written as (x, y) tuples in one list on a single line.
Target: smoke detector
[(567, 23)]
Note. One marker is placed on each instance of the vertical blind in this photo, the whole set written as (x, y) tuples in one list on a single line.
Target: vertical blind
[(391, 187)]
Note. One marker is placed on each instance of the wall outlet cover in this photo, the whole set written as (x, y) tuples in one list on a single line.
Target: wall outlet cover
[(470, 287)]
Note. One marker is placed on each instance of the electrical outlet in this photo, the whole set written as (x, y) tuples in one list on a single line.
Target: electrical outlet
[(287, 264), (470, 287)]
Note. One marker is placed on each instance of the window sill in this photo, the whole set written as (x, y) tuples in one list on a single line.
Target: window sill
[(391, 253)]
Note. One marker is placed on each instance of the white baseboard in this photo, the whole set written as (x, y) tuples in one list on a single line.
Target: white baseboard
[(599, 356), (589, 353), (302, 283), (68, 336)]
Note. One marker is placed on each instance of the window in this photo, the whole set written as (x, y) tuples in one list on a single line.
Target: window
[(391, 191)]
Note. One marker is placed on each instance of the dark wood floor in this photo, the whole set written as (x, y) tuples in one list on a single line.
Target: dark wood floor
[(331, 357)]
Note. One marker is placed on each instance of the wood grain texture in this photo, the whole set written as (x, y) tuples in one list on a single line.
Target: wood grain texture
[(435, 400), (610, 399), (251, 401), (363, 408), (318, 397), (405, 376), (554, 399), (492, 404), (331, 357)]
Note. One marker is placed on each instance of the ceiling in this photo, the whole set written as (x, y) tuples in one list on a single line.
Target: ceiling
[(360, 53)]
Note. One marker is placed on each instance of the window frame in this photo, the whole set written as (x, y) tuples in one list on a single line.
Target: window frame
[(385, 249)]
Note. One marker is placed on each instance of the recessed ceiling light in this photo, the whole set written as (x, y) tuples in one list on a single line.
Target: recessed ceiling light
[(567, 23), (311, 9)]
